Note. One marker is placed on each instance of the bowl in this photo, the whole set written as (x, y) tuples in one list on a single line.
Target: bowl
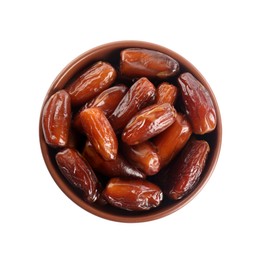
[(110, 52)]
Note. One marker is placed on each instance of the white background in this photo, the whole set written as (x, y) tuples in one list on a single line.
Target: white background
[(38, 38)]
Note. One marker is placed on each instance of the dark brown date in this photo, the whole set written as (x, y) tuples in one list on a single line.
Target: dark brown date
[(143, 156), (171, 141), (166, 93), (92, 82), (119, 167), (148, 122), (56, 118), (137, 62), (99, 132), (132, 194), (141, 93), (79, 173), (184, 173), (198, 103)]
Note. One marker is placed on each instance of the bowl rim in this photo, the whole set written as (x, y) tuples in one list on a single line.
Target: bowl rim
[(67, 72)]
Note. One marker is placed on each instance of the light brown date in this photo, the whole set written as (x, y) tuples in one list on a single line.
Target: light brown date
[(148, 122), (141, 93), (138, 62), (107, 101), (79, 173), (184, 173), (99, 132), (171, 141), (133, 195), (119, 167), (198, 104), (56, 118), (143, 156), (92, 82), (166, 93)]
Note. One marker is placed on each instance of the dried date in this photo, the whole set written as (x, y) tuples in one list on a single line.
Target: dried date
[(143, 156), (56, 119), (79, 173), (148, 122), (171, 141), (198, 103), (99, 132), (166, 93), (184, 173), (141, 93), (107, 101), (92, 82), (137, 62), (132, 195)]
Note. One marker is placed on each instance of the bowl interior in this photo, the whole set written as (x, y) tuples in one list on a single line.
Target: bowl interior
[(110, 52)]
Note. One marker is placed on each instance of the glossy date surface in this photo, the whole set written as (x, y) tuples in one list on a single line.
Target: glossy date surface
[(198, 103), (79, 173), (166, 93), (119, 167), (137, 62), (184, 173), (99, 132), (130, 194), (56, 119), (92, 82), (144, 156), (171, 141), (148, 122), (141, 93), (107, 101)]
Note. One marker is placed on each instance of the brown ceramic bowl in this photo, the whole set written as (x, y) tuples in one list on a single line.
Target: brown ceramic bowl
[(110, 52)]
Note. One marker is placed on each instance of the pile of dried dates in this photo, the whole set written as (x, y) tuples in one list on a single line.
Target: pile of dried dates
[(128, 135)]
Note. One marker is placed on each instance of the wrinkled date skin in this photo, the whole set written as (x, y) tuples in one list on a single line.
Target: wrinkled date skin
[(99, 132), (184, 173), (91, 83), (130, 194), (143, 156), (166, 93), (56, 118), (171, 141), (141, 93), (119, 167), (198, 103), (79, 173), (148, 122), (137, 62), (107, 101)]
